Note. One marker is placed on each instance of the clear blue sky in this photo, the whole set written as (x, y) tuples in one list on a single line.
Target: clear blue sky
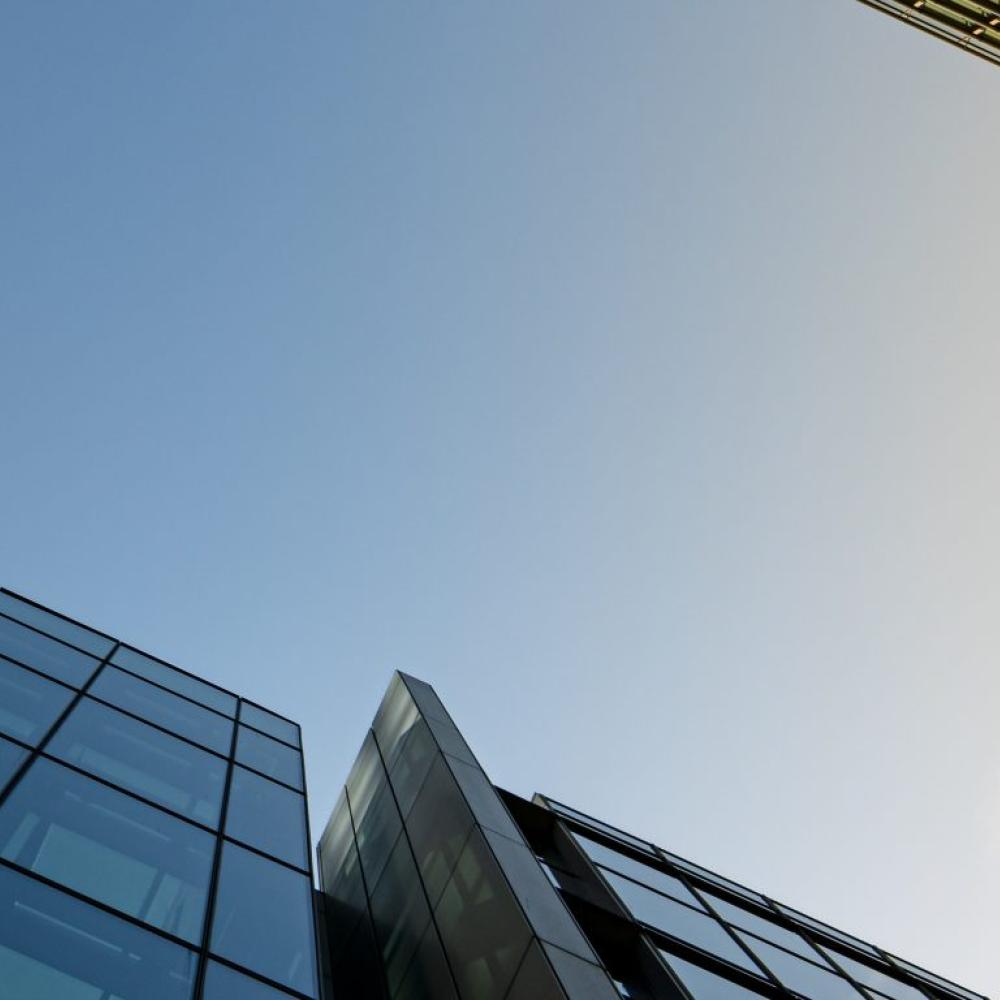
[(629, 371)]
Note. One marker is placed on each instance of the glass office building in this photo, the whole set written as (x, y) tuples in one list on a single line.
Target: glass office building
[(153, 833), (440, 886), (154, 845)]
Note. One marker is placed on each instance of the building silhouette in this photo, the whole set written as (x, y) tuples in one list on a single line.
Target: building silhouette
[(154, 845)]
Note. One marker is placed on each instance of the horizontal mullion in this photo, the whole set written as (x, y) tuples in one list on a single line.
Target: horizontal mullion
[(939, 26), (264, 854), (155, 725), (277, 739), (176, 694), (250, 974), (127, 791), (47, 635), (41, 673), (84, 898)]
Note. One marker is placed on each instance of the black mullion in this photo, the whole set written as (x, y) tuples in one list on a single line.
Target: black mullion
[(108, 783), (155, 725), (268, 777), (213, 882), (250, 974), (17, 741), (57, 614), (181, 670), (5, 657), (313, 899), (277, 739), (54, 638), (96, 903), (269, 857), (36, 752), (861, 986), (176, 694)]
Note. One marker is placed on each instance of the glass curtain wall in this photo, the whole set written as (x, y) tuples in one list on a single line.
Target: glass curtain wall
[(153, 832)]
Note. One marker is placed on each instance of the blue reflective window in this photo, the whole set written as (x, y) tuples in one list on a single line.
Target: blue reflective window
[(29, 704), (11, 758), (223, 983), (763, 927), (55, 946), (831, 932), (191, 687), (207, 728), (263, 919), (45, 654), (881, 981), (929, 977), (108, 846), (799, 976), (269, 757), (679, 921), (51, 624), (269, 723), (638, 871), (705, 985), (267, 816), (142, 759)]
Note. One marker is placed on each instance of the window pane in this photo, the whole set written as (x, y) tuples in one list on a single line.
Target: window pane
[(52, 945), (45, 654), (191, 687), (267, 816), (719, 880), (637, 870), (602, 827), (11, 758), (87, 640), (223, 983), (679, 921), (829, 931), (29, 704), (141, 759), (705, 985), (108, 846), (483, 929), (880, 981), (764, 928), (263, 919), (802, 977), (269, 757), (209, 729), (269, 723), (929, 977)]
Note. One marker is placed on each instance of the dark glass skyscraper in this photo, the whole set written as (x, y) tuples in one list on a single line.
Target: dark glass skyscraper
[(153, 832), (154, 846)]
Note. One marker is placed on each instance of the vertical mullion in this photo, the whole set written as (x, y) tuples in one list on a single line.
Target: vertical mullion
[(213, 882)]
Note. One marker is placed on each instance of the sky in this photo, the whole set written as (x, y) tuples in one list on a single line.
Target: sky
[(627, 371)]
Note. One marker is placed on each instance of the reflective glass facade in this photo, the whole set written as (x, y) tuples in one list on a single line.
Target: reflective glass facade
[(138, 859)]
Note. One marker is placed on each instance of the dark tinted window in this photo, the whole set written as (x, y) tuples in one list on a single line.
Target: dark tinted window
[(263, 919), (679, 921), (800, 976), (705, 985), (269, 757), (269, 723), (763, 927), (209, 729), (267, 816), (29, 704), (881, 981), (52, 624), (55, 946), (45, 654), (142, 759), (160, 673), (108, 846)]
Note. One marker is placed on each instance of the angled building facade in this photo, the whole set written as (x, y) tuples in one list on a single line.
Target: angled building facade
[(154, 845)]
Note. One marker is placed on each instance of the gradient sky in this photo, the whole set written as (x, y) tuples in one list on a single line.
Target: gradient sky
[(628, 371)]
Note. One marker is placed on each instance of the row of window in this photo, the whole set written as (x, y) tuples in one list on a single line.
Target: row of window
[(753, 941), (38, 638)]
